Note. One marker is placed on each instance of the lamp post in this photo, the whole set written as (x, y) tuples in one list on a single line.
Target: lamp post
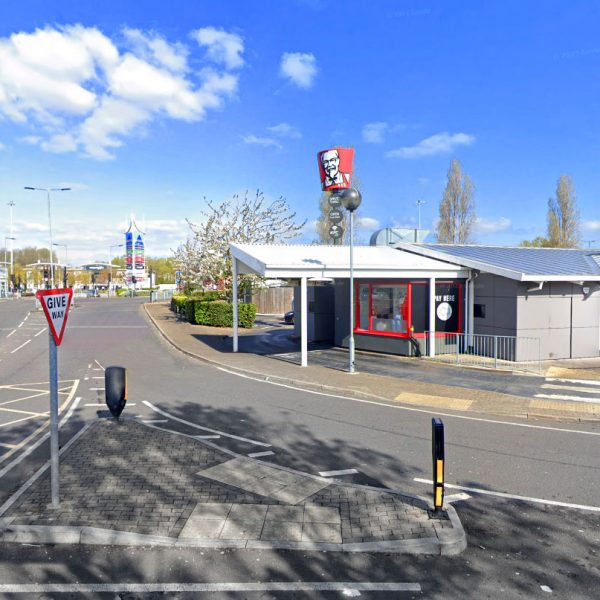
[(419, 203), (48, 190), (6, 237), (65, 279), (351, 200), (11, 204), (110, 265)]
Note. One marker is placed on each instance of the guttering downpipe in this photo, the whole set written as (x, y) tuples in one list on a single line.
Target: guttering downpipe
[(537, 288)]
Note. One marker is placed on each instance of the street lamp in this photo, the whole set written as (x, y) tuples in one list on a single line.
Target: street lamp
[(6, 237), (419, 203), (110, 264), (10, 205), (65, 247), (48, 190), (351, 200)]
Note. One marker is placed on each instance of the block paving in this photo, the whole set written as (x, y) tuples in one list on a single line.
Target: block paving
[(126, 476)]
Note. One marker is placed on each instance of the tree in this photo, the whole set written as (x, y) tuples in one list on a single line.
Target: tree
[(538, 242), (563, 216), (457, 208), (205, 260)]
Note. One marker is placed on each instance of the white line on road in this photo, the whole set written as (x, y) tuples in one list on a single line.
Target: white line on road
[(98, 365), (229, 435), (456, 497), (21, 346), (97, 389), (21, 324), (13, 331), (411, 408), (512, 496), (346, 588), (573, 388), (207, 437), (155, 421), (37, 444), (581, 381), (98, 377), (259, 454), (40, 332), (40, 471), (104, 404), (565, 397), (336, 473)]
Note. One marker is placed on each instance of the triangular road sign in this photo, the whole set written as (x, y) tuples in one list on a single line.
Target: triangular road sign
[(56, 304)]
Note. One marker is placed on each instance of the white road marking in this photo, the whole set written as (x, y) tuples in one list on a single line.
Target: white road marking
[(155, 421), (207, 437), (456, 497), (581, 381), (21, 346), (86, 378), (90, 366), (259, 454), (513, 496), (37, 444), (229, 435), (98, 377), (20, 324), (413, 409), (98, 365), (336, 473), (552, 386), (572, 398), (40, 332), (13, 331), (226, 587), (546, 588), (97, 389), (41, 470), (104, 404), (108, 326)]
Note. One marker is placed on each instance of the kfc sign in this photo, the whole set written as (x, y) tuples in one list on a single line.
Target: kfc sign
[(335, 168)]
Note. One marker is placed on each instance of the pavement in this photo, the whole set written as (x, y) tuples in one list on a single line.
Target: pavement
[(131, 482)]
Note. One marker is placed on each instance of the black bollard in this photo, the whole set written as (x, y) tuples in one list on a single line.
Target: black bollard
[(115, 385)]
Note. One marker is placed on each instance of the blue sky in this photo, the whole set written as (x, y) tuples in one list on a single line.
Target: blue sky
[(149, 107)]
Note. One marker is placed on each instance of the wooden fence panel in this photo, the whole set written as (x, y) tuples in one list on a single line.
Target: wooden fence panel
[(273, 301)]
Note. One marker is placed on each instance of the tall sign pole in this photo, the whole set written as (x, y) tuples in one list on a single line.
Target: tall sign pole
[(56, 304), (335, 171)]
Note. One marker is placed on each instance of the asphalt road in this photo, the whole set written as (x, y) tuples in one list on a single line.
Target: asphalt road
[(515, 547)]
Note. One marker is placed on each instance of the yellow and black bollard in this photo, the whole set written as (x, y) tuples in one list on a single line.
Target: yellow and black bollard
[(437, 451)]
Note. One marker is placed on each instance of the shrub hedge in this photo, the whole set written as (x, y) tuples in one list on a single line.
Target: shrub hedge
[(205, 308)]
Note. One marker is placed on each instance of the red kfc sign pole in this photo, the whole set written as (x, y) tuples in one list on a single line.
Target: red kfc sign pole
[(56, 304), (335, 169)]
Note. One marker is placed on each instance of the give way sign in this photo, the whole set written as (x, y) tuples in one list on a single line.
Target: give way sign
[(56, 304)]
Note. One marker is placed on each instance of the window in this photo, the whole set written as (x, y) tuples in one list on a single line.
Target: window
[(391, 309)]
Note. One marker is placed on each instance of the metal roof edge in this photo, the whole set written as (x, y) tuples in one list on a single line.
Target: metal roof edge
[(461, 261)]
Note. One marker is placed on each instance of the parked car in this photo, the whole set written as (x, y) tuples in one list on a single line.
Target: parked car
[(289, 317), (93, 293)]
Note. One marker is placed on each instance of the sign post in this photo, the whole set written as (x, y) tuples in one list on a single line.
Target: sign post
[(56, 304)]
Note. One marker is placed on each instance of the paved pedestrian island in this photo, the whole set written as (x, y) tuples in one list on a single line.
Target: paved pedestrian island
[(125, 482)]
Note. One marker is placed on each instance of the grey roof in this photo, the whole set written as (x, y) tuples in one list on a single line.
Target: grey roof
[(522, 264)]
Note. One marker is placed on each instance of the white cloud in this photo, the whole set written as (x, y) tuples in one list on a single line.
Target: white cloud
[(285, 130), (374, 133), (2, 146), (261, 141), (440, 143), (300, 68), (591, 225), (491, 225), (222, 47), (367, 223), (84, 93)]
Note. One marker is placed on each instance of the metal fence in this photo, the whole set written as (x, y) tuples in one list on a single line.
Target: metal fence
[(158, 295), (506, 352)]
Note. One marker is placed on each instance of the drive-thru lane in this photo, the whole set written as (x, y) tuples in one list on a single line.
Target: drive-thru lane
[(515, 548)]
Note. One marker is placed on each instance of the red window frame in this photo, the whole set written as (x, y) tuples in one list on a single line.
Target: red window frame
[(409, 284)]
